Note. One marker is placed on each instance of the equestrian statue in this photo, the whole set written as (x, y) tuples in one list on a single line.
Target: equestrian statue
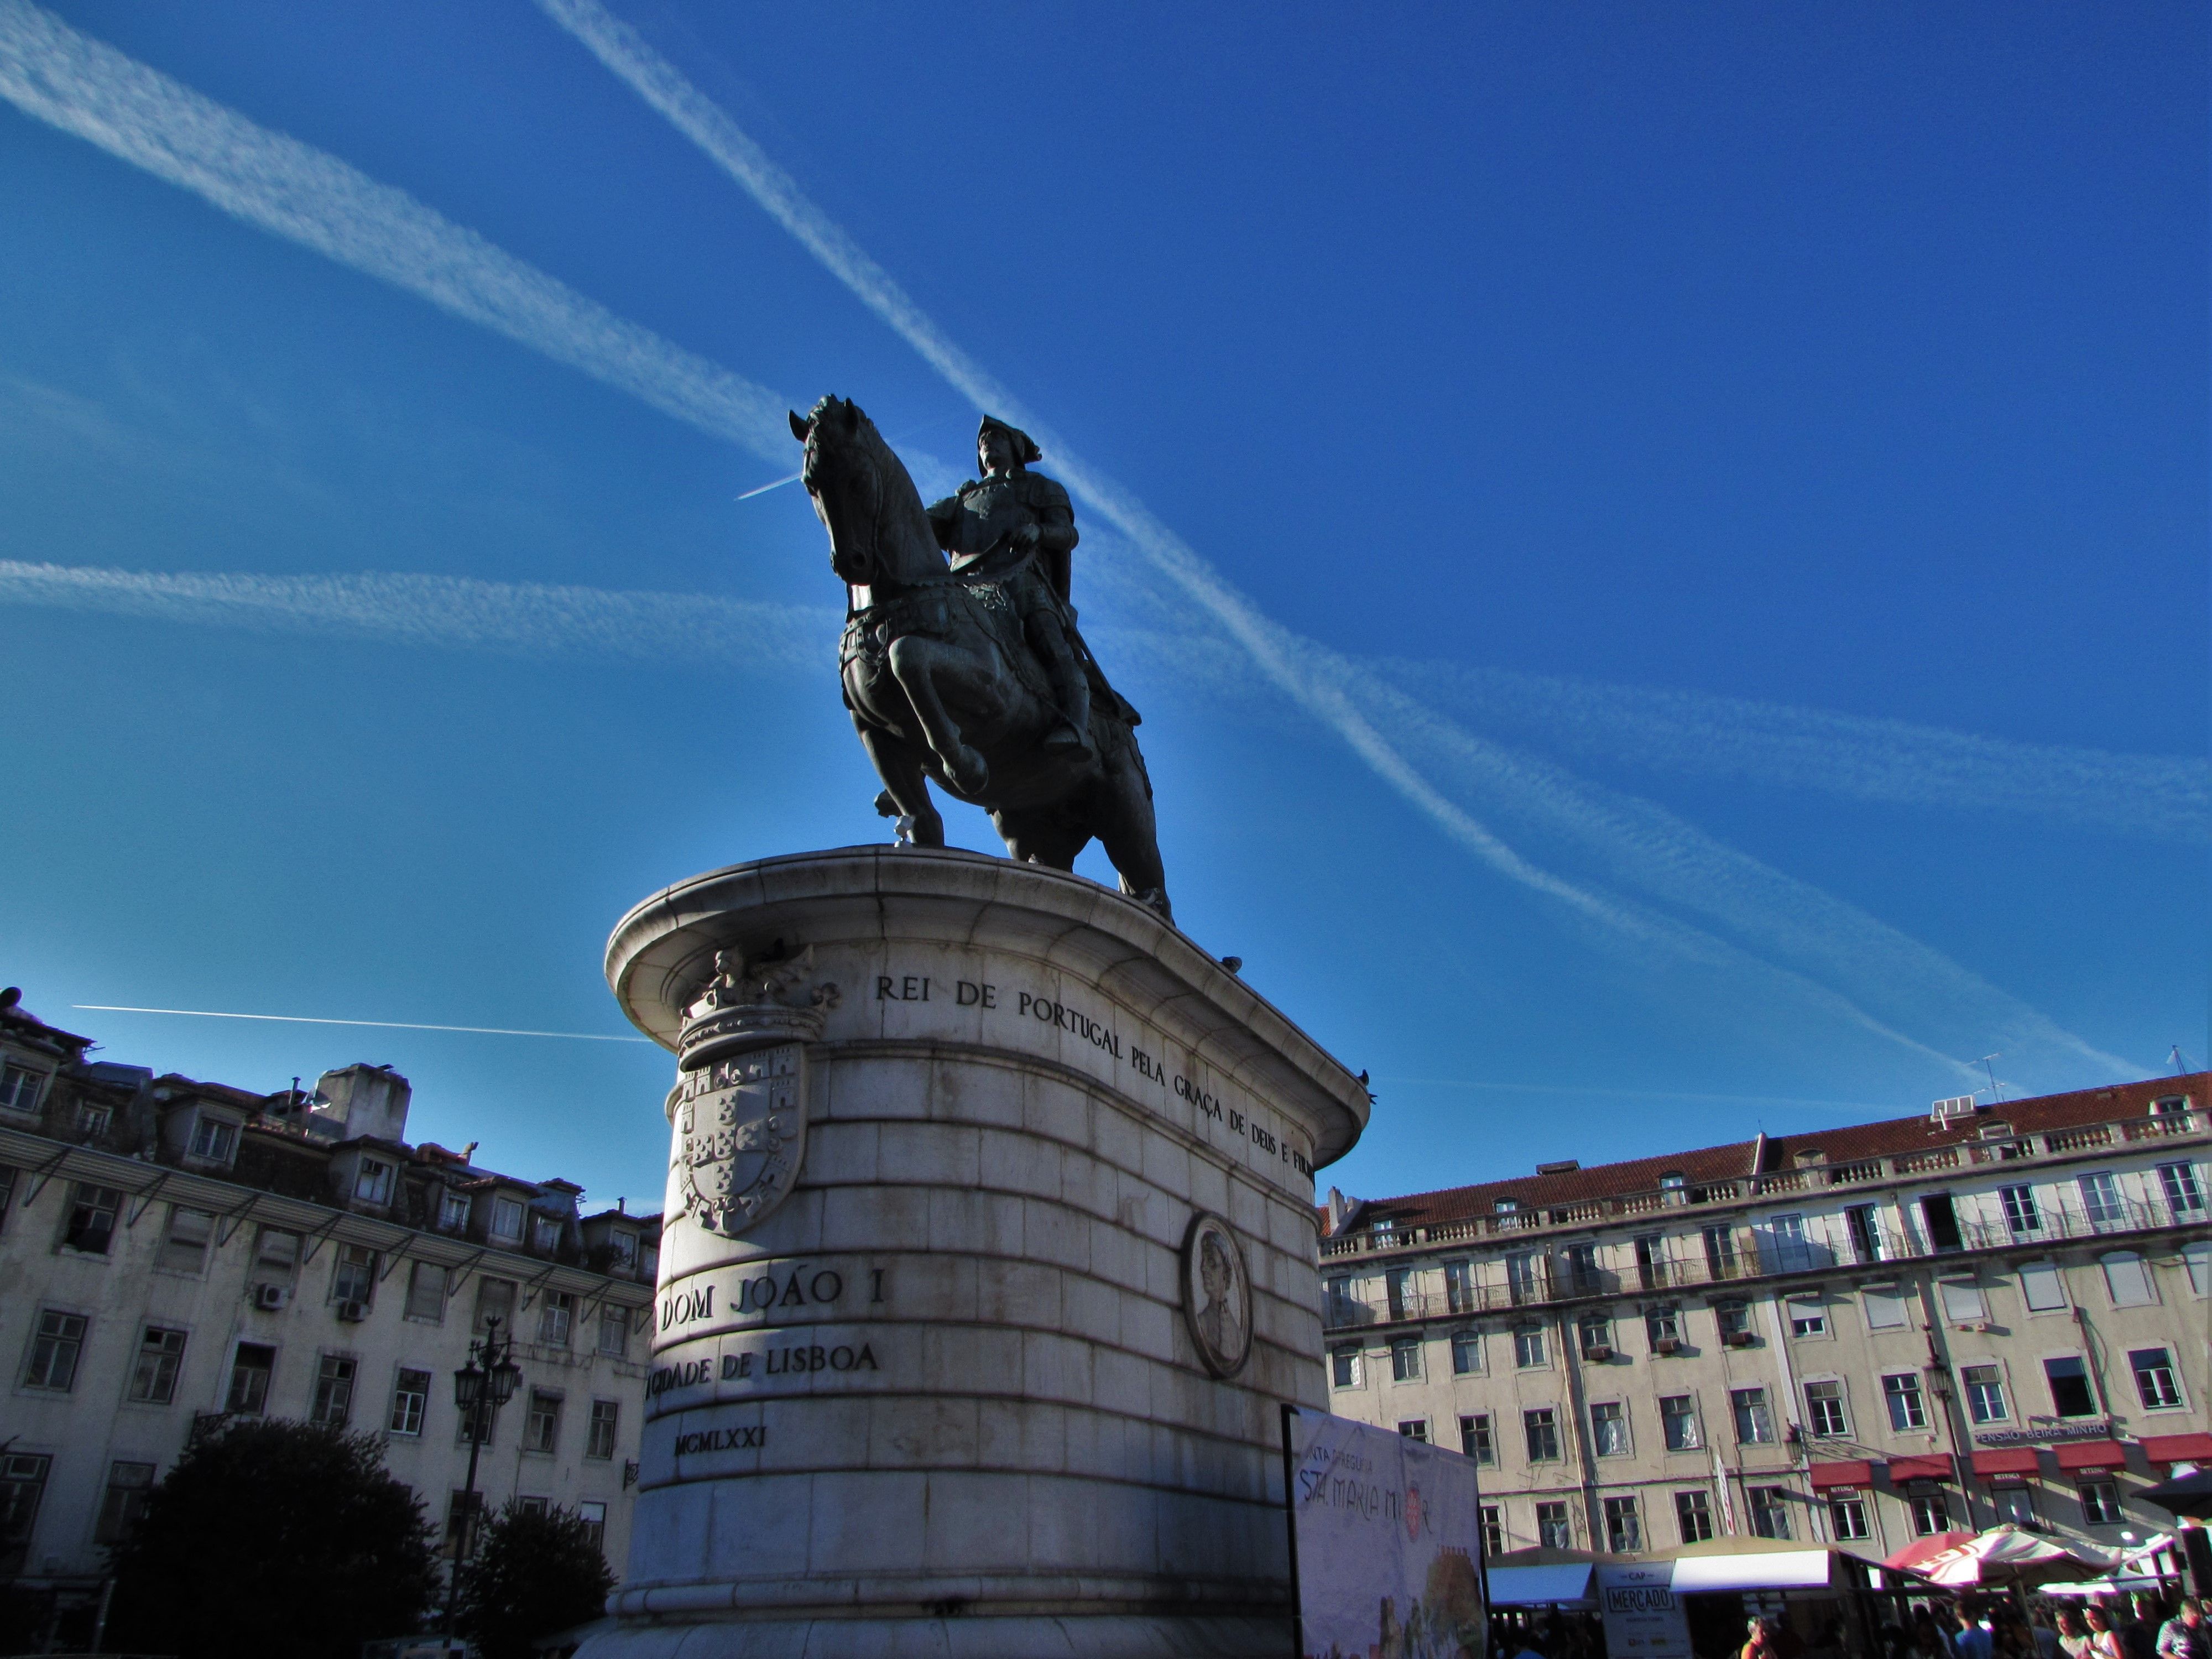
[(969, 673)]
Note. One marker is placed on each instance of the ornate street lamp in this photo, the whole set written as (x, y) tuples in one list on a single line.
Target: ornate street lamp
[(480, 1388)]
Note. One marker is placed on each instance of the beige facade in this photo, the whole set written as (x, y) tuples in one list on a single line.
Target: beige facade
[(1866, 1335), (176, 1253)]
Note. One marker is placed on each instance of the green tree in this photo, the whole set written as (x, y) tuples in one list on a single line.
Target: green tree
[(279, 1539), (532, 1572)]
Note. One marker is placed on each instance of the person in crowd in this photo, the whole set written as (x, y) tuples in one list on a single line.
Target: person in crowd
[(1761, 1644), (1973, 1640), (2104, 1640), (1929, 1640), (2073, 1634), (2186, 1636)]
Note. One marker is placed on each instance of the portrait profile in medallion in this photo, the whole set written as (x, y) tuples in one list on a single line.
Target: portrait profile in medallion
[(1217, 1294)]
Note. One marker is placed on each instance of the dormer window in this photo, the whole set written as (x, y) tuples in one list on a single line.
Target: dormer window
[(453, 1213), (1996, 1130), (1673, 1181), (93, 1120), (214, 1139), (2164, 1106), (1505, 1205), (19, 1086), (625, 1248), (374, 1184), (544, 1233), (505, 1219)]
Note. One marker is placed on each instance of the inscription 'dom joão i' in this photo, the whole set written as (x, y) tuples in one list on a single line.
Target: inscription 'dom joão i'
[(1049, 1010)]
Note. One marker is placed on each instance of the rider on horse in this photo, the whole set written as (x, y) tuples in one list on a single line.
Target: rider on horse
[(1018, 515)]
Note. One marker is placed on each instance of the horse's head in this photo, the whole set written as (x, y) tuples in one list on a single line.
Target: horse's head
[(844, 477)]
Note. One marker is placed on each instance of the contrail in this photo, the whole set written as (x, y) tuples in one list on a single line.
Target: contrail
[(50, 72), (380, 1024)]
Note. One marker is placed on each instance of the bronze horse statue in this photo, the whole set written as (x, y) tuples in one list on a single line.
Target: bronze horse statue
[(944, 685)]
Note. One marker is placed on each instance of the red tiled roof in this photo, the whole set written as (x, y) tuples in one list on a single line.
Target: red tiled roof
[(1845, 1144)]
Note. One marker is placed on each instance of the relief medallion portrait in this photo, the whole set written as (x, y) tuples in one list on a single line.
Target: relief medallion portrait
[(1216, 1295)]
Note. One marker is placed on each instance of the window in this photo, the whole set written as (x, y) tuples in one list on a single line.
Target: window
[(1524, 1278), (1941, 1217), (91, 1218), (544, 1234), (214, 1139), (1494, 1529), (1594, 1331), (1693, 1515), (555, 1315), (1415, 1428), (1554, 1530), (533, 1505), (1650, 1262), (1862, 1226), (1459, 1285), (1824, 1411), (1884, 1307), (1541, 1428), (1985, 1394), (22, 1483), (1786, 1238), (277, 1253), (452, 1212), (92, 1119), (1343, 1363), (1527, 1346), (1754, 1426), (495, 1300), (184, 1245), (2020, 1215), (1808, 1317), (1962, 1301), (373, 1184), (2100, 1200), (1901, 1390), (57, 1343), (1474, 1439), (1678, 1421), (505, 1219), (2042, 1288), (1847, 1515), (543, 1431), (2069, 1387), (333, 1401), (1609, 1428), (19, 1087), (606, 1418), (2016, 1505), (1673, 1181), (2170, 1106), (1733, 1318), (354, 1277), (1720, 1252), (1582, 1267), (2155, 1383), (2127, 1279), (2183, 1196), (2100, 1504), (123, 1502), (1662, 1322), (1930, 1512), (249, 1379), (626, 1248), (1770, 1512), (1466, 1352), (462, 1510), (154, 1378), (1624, 1532), (614, 1339), (410, 1403), (1406, 1359), (594, 1517), (426, 1292)]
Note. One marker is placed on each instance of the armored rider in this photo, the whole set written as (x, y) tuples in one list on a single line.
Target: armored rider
[(1013, 510)]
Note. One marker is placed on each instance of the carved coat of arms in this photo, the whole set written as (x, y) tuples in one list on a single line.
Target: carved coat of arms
[(739, 1109)]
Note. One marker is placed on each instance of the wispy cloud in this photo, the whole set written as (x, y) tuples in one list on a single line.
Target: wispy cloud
[(50, 72), (525, 618)]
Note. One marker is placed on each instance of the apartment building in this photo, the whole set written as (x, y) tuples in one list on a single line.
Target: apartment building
[(177, 1252), (1989, 1312)]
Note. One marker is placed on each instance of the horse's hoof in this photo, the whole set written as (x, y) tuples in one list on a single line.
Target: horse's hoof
[(888, 808)]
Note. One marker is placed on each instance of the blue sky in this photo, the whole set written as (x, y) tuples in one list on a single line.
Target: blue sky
[(1724, 491)]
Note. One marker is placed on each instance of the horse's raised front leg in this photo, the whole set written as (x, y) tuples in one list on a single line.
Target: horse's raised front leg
[(906, 790), (914, 663)]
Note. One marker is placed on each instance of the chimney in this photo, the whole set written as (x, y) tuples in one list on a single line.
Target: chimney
[(1339, 1207), (1759, 1154), (360, 1100)]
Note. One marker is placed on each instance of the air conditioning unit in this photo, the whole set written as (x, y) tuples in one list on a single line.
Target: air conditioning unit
[(269, 1299), (353, 1312), (1597, 1354), (1667, 1345), (1738, 1339)]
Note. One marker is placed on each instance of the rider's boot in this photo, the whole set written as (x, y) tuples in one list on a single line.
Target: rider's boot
[(1070, 737)]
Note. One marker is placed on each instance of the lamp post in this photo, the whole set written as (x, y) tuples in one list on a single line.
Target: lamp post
[(480, 1388)]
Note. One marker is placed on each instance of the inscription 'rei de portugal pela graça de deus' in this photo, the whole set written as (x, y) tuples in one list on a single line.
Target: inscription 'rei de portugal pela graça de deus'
[(990, 1252)]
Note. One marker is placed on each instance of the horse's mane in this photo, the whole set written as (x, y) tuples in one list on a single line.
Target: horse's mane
[(901, 502)]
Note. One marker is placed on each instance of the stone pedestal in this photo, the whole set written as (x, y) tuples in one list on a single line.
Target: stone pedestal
[(990, 1252)]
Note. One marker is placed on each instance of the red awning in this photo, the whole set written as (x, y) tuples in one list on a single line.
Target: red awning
[(1841, 1474), (1936, 1465), (2178, 1447), (2013, 1460), (2091, 1455)]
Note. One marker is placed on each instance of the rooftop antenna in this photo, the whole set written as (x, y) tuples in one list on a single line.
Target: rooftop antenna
[(2180, 1060), (1995, 1093)]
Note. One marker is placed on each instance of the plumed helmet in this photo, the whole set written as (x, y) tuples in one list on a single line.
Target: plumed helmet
[(1025, 449)]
